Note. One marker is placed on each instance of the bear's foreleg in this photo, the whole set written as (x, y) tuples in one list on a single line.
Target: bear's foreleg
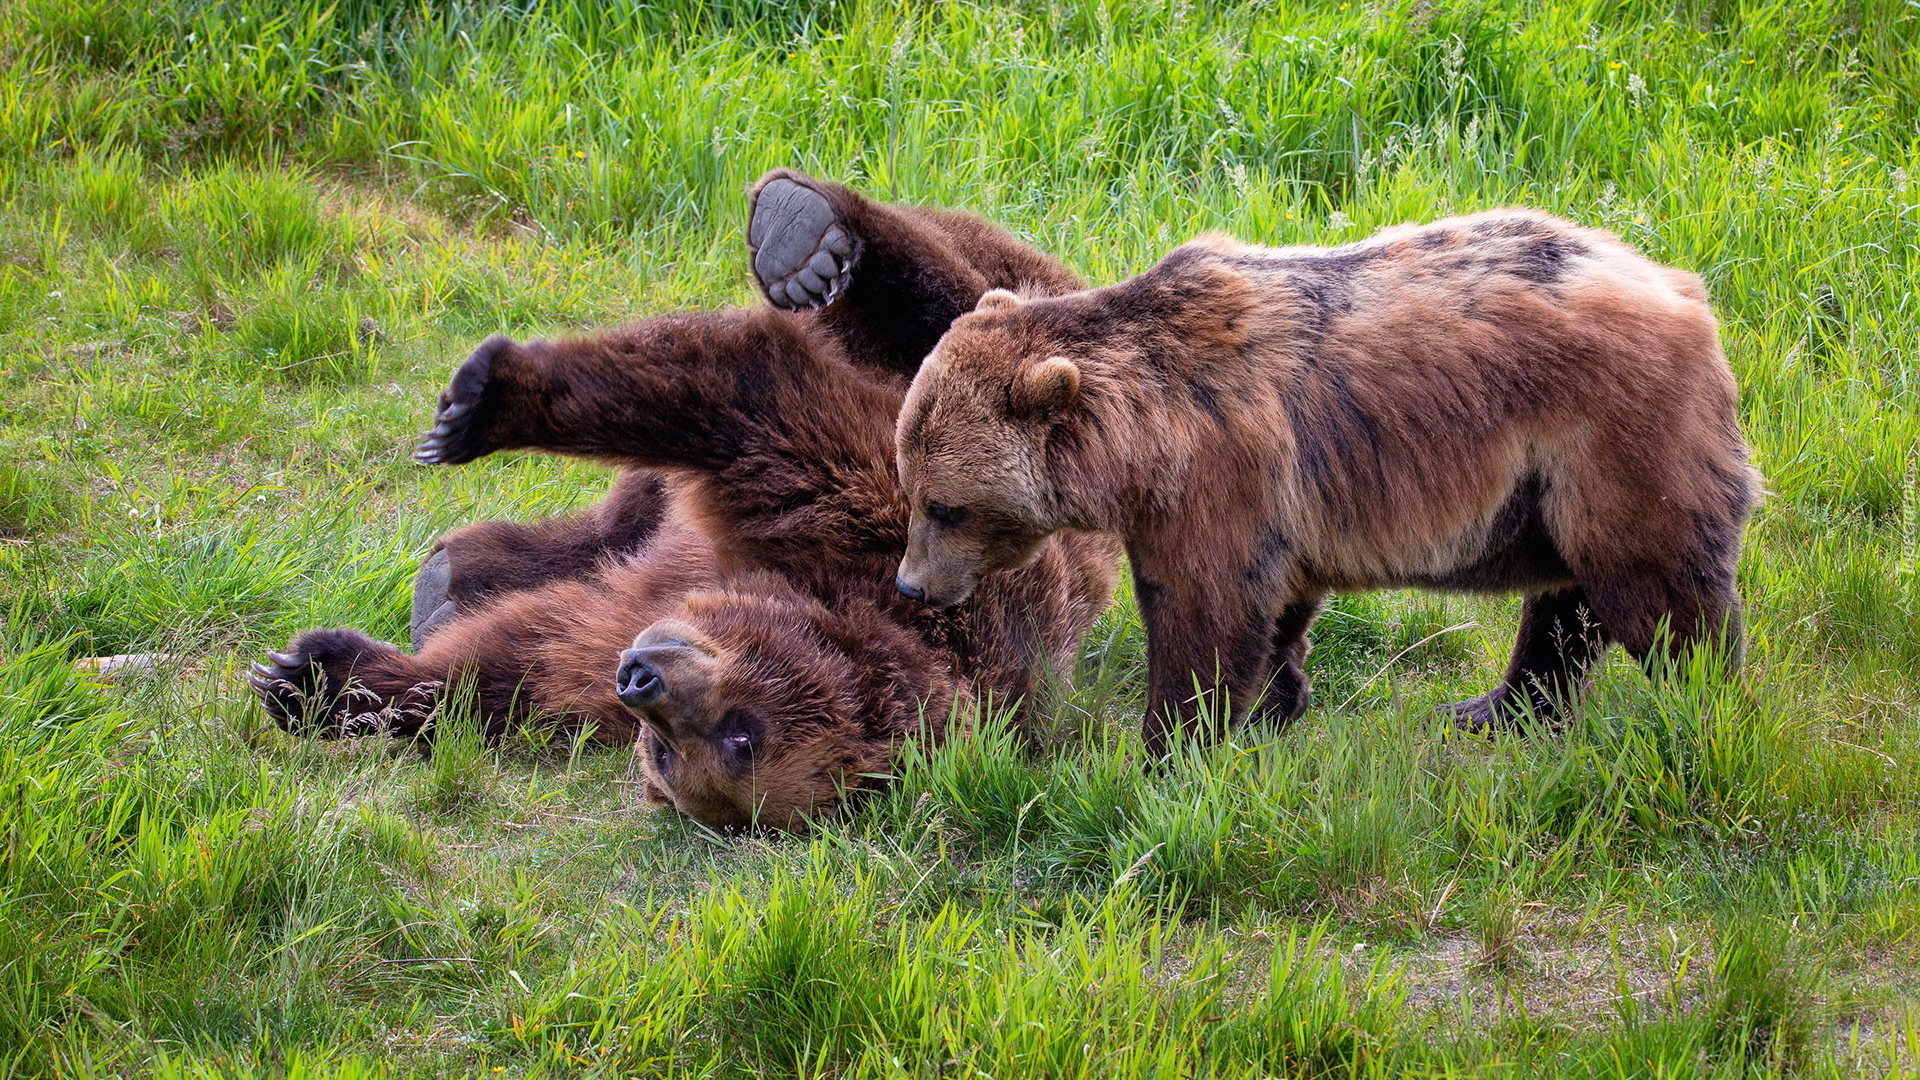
[(1204, 665), (684, 391)]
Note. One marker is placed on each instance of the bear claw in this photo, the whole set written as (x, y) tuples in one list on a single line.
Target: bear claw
[(291, 689), (312, 689), (457, 435), (803, 252)]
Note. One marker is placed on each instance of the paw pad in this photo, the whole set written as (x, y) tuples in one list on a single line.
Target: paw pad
[(803, 252)]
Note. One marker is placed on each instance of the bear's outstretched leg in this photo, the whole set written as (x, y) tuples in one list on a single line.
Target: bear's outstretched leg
[(886, 280), (1560, 637), (540, 653), (331, 684), (470, 565), (1288, 691)]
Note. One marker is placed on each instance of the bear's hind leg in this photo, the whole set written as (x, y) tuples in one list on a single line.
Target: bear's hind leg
[(1659, 619), (1560, 637), (471, 565), (544, 655)]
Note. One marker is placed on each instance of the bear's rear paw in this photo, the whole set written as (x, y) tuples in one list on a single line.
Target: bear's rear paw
[(803, 249), (1475, 716), (460, 423), (294, 689), (433, 605), (1497, 710)]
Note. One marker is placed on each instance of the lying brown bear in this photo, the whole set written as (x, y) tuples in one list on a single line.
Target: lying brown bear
[(773, 666), (1500, 402)]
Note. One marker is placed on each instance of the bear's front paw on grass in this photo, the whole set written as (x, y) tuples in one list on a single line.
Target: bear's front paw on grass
[(314, 689), (460, 423), (802, 247), (294, 689)]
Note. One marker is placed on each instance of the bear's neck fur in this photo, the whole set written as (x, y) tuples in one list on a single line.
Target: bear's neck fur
[(1144, 349)]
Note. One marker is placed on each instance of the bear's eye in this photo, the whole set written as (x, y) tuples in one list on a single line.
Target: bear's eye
[(662, 755), (947, 517), (738, 739)]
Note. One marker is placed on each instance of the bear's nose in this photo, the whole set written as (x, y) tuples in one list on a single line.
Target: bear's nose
[(638, 683), (908, 589)]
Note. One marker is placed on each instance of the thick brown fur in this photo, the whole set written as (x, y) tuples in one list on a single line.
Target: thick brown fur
[(498, 557), (1503, 402), (469, 566), (763, 588), (911, 271)]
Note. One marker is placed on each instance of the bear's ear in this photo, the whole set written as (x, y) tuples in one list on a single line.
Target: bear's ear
[(996, 299), (1044, 388)]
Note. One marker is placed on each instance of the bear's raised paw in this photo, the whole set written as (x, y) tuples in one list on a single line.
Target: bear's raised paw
[(459, 424), (803, 249)]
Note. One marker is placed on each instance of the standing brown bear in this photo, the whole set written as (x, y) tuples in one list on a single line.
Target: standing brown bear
[(1503, 402), (773, 666)]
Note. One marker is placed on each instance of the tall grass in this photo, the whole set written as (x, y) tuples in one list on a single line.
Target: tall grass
[(241, 244)]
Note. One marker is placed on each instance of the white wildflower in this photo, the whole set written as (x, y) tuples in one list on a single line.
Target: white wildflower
[(1230, 115), (1637, 89), (1237, 175)]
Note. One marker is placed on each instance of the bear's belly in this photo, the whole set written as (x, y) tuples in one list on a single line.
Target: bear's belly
[(1511, 552), (1525, 565)]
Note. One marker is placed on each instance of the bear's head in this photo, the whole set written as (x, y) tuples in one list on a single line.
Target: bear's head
[(763, 706), (971, 445)]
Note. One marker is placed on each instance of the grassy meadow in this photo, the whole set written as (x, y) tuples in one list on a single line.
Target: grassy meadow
[(243, 243)]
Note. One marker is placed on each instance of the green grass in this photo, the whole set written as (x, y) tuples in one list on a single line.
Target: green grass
[(241, 244)]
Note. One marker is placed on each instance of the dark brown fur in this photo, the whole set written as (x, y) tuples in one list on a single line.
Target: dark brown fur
[(917, 270), (1503, 402), (766, 576), (492, 558)]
